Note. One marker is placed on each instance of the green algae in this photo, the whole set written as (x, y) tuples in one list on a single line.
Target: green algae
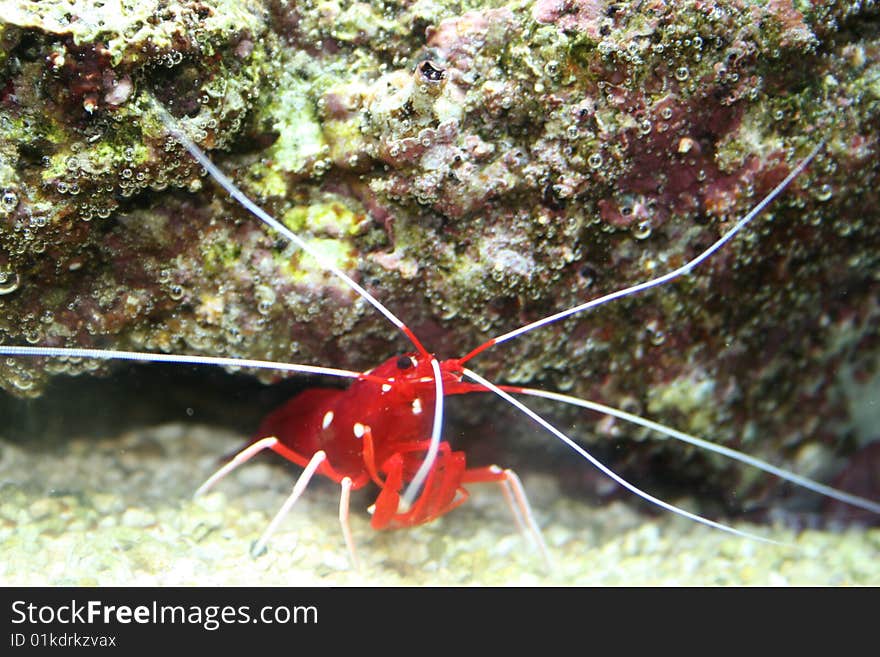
[(331, 217)]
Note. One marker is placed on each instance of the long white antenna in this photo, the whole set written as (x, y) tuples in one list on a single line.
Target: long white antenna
[(660, 280), (148, 357), (434, 445), (607, 471), (232, 189), (797, 479)]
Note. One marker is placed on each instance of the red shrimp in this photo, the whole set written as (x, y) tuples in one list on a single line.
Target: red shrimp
[(376, 431)]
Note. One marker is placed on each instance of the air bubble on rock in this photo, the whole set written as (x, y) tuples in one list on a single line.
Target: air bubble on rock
[(824, 193), (233, 335), (24, 383), (176, 292), (9, 201), (642, 230), (265, 299), (8, 282), (566, 382), (655, 334), (595, 160), (682, 73)]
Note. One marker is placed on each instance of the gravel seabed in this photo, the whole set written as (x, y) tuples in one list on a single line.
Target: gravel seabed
[(119, 512)]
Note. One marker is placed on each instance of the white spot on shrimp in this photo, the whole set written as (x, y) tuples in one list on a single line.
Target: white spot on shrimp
[(359, 430), (328, 419), (417, 406)]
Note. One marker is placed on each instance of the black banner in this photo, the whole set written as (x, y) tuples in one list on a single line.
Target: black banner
[(39, 619)]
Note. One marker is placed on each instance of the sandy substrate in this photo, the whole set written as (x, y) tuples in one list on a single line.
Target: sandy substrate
[(120, 512)]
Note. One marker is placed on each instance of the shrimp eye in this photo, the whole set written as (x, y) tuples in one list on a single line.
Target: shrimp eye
[(404, 363)]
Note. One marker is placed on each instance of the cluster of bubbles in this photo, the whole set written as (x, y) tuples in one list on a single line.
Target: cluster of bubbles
[(93, 183), (25, 224), (175, 290)]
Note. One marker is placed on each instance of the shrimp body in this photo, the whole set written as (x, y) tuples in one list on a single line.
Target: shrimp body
[(375, 430)]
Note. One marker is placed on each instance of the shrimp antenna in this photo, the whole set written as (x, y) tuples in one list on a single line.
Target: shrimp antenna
[(665, 278), (606, 470), (150, 357), (235, 192), (433, 446), (803, 482)]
